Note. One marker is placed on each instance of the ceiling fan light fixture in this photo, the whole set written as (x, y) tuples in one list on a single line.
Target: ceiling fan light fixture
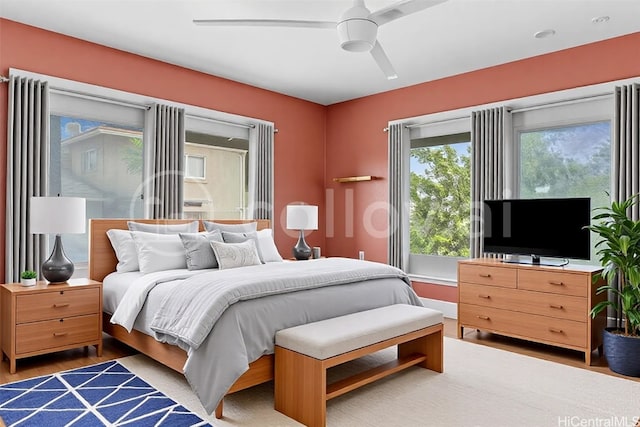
[(357, 35)]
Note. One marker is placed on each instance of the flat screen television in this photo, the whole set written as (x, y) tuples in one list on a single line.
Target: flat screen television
[(538, 228)]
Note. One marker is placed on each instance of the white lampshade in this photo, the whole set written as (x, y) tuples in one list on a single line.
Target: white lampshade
[(302, 217), (58, 215)]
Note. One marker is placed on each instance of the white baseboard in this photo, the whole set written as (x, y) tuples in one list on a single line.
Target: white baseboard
[(448, 309)]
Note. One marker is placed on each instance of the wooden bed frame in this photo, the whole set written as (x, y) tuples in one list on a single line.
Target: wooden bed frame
[(102, 261)]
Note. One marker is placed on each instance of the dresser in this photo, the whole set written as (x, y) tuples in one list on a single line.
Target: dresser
[(45, 318), (549, 305)]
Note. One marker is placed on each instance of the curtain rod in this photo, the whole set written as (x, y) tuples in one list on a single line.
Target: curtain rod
[(520, 110), (84, 95), (225, 122), (563, 102)]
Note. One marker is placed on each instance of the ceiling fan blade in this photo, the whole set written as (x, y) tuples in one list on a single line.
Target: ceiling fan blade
[(265, 23), (383, 62), (400, 9)]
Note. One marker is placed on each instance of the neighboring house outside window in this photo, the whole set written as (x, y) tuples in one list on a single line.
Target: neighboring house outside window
[(216, 177)]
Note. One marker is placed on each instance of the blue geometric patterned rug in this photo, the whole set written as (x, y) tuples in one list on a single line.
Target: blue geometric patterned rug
[(106, 394)]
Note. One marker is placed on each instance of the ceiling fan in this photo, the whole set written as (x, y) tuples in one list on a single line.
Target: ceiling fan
[(357, 27)]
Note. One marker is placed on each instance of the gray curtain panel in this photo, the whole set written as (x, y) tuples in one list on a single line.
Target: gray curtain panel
[(262, 203), (166, 162), (489, 134), (625, 175), (27, 172), (398, 243)]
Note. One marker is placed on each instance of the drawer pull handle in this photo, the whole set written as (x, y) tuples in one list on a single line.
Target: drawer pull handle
[(555, 331), (486, 275), (60, 305), (551, 282), (484, 296), (60, 334), (483, 317), (558, 307)]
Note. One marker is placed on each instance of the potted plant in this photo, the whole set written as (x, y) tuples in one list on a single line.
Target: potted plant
[(619, 253), (28, 278)]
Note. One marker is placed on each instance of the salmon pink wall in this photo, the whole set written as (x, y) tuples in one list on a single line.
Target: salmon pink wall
[(299, 144), (357, 145)]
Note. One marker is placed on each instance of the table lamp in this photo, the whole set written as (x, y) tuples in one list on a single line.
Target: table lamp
[(302, 217), (57, 215)]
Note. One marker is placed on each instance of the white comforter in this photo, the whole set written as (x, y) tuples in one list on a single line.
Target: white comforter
[(229, 339)]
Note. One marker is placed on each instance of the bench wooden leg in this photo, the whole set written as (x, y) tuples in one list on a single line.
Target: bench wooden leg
[(219, 409), (430, 345), (300, 387)]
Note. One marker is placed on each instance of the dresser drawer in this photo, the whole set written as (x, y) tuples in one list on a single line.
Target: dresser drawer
[(57, 304), (487, 275), (554, 282), (523, 325), (38, 336), (541, 303)]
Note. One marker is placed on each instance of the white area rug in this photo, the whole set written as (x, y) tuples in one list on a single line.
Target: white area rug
[(481, 386)]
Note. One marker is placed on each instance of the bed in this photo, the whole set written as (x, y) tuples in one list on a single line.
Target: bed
[(236, 352)]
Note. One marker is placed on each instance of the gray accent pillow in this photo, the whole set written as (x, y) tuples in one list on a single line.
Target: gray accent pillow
[(232, 228), (199, 252), (233, 255), (188, 227)]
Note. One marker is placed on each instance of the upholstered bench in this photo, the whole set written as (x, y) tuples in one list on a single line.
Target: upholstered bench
[(304, 353)]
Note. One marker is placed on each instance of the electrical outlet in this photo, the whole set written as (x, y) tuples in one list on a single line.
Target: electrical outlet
[(361, 255)]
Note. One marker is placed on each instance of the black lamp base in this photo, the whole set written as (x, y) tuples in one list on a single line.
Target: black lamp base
[(58, 268), (301, 251)]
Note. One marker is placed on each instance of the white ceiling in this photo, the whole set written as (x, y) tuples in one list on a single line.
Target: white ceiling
[(451, 38)]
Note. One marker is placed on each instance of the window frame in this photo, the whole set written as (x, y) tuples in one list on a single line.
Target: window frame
[(187, 176), (89, 160)]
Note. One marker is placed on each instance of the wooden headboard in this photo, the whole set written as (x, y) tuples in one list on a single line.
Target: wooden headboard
[(102, 258)]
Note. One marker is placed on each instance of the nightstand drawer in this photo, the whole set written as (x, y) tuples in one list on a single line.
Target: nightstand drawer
[(50, 334), (57, 304), (556, 282), (487, 275)]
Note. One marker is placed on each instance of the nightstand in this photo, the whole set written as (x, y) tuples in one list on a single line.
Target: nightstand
[(45, 318)]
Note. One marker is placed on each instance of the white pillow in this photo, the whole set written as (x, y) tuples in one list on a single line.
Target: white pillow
[(157, 252), (268, 247), (188, 227), (125, 249), (231, 228), (232, 255)]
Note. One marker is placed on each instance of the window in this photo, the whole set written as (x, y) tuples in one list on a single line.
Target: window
[(89, 161), (223, 161), (561, 149), (439, 191), (195, 167), (439, 187), (96, 153)]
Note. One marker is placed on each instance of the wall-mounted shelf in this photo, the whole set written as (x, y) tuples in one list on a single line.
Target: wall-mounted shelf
[(356, 178)]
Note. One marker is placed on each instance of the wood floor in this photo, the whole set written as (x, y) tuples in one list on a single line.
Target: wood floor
[(112, 349)]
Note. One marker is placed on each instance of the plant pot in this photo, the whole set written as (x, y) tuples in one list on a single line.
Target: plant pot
[(622, 353), (28, 282)]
